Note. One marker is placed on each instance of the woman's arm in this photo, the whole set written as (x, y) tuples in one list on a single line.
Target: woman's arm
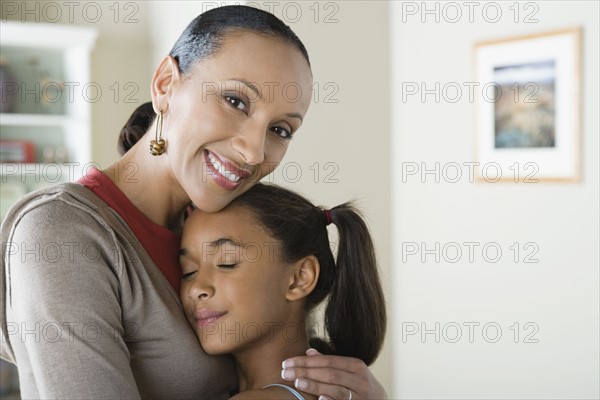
[(63, 309), (333, 376)]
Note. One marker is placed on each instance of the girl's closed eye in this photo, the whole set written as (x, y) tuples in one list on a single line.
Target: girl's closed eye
[(226, 266), (187, 275)]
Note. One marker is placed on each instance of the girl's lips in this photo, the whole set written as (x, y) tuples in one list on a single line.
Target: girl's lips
[(206, 317), (226, 174)]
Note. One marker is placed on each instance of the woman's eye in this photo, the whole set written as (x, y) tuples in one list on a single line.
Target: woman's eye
[(282, 132), (226, 266), (187, 275), (236, 102)]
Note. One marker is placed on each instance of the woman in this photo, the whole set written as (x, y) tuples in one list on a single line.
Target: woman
[(253, 272), (90, 274)]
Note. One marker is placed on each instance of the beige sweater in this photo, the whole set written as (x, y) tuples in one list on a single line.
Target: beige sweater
[(85, 312)]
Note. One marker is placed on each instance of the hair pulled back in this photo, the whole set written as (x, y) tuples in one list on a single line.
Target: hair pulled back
[(202, 38)]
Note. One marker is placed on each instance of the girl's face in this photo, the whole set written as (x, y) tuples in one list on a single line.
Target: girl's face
[(234, 282), (228, 123)]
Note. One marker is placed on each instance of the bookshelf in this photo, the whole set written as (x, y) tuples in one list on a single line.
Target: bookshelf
[(46, 95)]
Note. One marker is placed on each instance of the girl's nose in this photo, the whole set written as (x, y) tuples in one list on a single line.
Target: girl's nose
[(201, 287)]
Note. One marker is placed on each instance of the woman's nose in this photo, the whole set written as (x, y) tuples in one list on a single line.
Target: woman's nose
[(250, 144)]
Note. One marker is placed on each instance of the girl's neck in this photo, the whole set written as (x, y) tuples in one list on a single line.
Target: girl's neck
[(260, 364)]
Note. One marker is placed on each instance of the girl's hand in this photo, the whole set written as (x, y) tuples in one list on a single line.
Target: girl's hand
[(333, 377)]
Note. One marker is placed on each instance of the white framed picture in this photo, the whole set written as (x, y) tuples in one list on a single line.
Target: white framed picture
[(527, 119)]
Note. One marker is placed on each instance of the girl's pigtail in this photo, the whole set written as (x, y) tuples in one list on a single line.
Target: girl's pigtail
[(355, 317)]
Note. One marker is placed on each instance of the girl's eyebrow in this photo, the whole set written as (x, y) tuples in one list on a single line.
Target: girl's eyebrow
[(217, 243), (223, 241)]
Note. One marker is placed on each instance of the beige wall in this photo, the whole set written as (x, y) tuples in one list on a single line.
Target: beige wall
[(559, 293)]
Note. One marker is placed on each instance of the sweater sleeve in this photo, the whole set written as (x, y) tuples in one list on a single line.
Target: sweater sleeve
[(63, 311)]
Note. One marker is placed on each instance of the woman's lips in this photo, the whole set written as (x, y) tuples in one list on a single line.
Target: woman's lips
[(205, 317), (226, 174)]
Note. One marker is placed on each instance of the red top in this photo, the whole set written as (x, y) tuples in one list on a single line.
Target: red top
[(160, 243)]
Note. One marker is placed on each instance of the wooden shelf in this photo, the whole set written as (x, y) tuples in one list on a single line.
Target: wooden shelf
[(54, 172), (63, 52), (47, 35), (15, 119)]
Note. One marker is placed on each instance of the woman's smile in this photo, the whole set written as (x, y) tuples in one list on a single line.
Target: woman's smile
[(225, 173)]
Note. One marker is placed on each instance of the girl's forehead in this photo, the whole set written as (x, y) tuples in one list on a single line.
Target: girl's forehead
[(236, 223), (233, 218)]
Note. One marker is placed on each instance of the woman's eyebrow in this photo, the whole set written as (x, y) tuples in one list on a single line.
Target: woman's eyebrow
[(250, 85), (258, 93), (295, 115)]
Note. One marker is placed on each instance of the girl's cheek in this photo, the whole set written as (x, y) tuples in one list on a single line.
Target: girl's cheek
[(185, 301)]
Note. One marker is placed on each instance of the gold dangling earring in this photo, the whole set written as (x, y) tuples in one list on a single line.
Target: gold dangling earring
[(157, 146)]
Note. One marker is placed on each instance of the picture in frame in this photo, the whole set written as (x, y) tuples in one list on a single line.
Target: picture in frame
[(528, 115)]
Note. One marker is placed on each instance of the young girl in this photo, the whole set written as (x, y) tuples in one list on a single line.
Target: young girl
[(252, 272)]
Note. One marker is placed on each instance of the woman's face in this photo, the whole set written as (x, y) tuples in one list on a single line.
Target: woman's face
[(234, 283), (228, 123)]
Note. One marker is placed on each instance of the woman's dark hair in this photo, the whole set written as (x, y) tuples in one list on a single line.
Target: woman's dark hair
[(135, 127), (204, 35), (202, 38), (355, 315)]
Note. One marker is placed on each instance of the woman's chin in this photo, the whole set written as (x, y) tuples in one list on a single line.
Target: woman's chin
[(214, 201), (209, 202)]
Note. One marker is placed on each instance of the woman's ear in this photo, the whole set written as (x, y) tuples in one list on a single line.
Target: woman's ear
[(161, 87), (304, 278)]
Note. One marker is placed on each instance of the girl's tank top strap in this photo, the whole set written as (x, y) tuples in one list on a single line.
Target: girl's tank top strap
[(291, 390)]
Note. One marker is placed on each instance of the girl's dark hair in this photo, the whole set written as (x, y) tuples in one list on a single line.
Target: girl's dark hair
[(355, 315), (201, 39)]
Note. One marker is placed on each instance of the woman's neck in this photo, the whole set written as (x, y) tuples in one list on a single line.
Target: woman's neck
[(260, 363), (144, 180)]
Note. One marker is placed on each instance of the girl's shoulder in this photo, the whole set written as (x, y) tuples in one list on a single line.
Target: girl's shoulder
[(273, 392)]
